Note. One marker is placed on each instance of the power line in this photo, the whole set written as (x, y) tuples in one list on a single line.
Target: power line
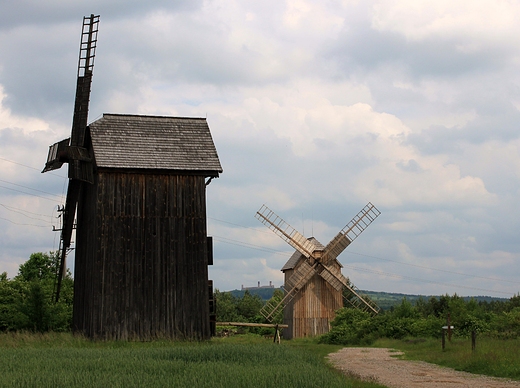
[(247, 245), (29, 188), (262, 230), (32, 168), (435, 269), (422, 280), (22, 212), (25, 192), (17, 223)]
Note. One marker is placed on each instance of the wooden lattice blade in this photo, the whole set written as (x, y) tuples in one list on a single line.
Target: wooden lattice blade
[(334, 277), (285, 231), (301, 275), (85, 66), (350, 232), (359, 301)]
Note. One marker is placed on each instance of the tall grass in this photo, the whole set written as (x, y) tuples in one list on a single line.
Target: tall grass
[(492, 357), (61, 360)]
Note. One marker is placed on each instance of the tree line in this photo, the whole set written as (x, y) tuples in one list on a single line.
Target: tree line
[(27, 303)]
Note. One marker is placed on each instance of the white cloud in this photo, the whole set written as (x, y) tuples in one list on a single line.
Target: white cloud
[(480, 20)]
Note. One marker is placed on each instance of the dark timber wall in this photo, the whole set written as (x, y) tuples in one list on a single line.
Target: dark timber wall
[(141, 257)]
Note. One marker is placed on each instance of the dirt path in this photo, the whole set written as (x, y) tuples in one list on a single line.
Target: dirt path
[(378, 365)]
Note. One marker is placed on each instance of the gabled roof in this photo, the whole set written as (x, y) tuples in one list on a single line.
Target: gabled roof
[(154, 142), (296, 256)]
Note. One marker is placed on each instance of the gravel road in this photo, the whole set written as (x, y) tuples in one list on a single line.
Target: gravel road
[(378, 365)]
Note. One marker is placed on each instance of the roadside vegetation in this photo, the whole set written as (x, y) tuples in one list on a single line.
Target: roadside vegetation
[(491, 357), (425, 319), (416, 329)]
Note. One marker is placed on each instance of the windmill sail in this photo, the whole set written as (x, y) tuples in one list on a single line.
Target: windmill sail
[(73, 150), (350, 232), (357, 300), (281, 228), (302, 274)]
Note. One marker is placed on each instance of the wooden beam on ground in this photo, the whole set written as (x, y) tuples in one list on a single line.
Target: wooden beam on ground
[(251, 324)]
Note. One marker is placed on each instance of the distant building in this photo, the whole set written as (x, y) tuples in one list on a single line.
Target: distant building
[(258, 287)]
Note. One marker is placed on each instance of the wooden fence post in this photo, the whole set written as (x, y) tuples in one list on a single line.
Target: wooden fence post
[(449, 327), (473, 340), (443, 339)]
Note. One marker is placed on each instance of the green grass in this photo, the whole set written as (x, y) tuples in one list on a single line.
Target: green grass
[(492, 357), (62, 360)]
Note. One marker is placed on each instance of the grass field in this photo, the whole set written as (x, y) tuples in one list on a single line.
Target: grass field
[(62, 360), (492, 357)]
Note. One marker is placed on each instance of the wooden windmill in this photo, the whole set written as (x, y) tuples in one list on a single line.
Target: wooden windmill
[(314, 284), (139, 186), (73, 150)]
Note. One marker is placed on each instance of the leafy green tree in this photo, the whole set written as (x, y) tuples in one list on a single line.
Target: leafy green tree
[(40, 266), (27, 301), (226, 307), (249, 307), (11, 318)]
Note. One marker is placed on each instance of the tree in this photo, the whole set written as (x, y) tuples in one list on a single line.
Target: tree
[(226, 307), (249, 306), (40, 266), (26, 302)]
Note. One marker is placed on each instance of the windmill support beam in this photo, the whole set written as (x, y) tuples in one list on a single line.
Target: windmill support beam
[(247, 324)]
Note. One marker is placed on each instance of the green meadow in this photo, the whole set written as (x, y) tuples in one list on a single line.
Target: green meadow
[(62, 360)]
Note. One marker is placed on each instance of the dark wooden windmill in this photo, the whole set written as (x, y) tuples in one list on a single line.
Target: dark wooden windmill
[(142, 250), (73, 150), (314, 285)]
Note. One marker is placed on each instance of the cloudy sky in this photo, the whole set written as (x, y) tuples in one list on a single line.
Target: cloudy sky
[(316, 108)]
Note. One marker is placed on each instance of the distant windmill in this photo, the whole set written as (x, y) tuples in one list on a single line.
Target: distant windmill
[(138, 186), (313, 281)]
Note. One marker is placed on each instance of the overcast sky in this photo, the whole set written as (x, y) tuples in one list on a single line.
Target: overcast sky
[(315, 107)]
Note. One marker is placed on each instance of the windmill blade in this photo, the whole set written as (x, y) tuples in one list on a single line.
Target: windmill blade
[(80, 166), (56, 155), (336, 279), (87, 53), (302, 274), (350, 232), (360, 301), (67, 226), (281, 228)]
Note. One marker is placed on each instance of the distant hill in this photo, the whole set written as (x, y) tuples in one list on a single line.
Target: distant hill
[(385, 300), (264, 293)]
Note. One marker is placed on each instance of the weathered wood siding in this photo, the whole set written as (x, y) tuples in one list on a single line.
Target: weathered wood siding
[(141, 257), (310, 312)]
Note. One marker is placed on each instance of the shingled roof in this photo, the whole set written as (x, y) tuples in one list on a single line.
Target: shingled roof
[(154, 142)]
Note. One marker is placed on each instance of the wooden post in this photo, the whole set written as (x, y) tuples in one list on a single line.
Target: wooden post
[(443, 339), (449, 327), (473, 340)]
